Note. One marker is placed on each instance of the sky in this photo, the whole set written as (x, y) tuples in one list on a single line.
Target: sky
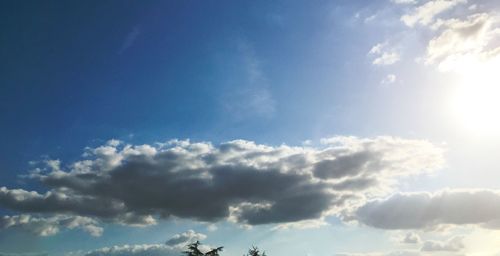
[(342, 128)]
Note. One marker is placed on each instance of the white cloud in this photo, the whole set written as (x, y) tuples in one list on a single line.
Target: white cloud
[(136, 250), (383, 57), (458, 41), (185, 238), (51, 225), (387, 58), (389, 79), (425, 13), (172, 247), (404, 1), (464, 42)]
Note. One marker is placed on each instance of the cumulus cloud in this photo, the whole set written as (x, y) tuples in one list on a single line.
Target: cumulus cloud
[(173, 246), (136, 250), (411, 238), (52, 225), (240, 180), (464, 42), (425, 13), (383, 56), (429, 210), (185, 238), (454, 244)]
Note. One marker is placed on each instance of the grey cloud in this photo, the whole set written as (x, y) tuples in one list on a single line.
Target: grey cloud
[(356, 184), (426, 210), (411, 238), (348, 165), (454, 244), (240, 180)]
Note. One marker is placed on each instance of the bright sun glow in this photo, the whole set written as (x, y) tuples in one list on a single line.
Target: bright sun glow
[(476, 101)]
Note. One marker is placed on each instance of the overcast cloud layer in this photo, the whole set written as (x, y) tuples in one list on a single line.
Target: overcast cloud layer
[(240, 181)]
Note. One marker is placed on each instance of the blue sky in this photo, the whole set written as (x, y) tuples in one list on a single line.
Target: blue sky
[(305, 122)]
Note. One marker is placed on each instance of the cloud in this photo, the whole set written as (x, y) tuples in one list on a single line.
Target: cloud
[(404, 1), (429, 210), (173, 246), (50, 226), (130, 39), (425, 13), (464, 42), (251, 97), (185, 238), (454, 244), (239, 180), (136, 250), (389, 79), (394, 253), (383, 57), (23, 254), (411, 238)]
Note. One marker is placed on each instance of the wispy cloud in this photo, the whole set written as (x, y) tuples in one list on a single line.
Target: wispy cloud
[(389, 79), (130, 39), (251, 98)]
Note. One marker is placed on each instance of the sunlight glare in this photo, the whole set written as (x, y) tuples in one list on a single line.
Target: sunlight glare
[(475, 103)]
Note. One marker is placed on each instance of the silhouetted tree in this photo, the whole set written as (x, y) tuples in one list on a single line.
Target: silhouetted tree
[(193, 250), (254, 251), (214, 252)]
